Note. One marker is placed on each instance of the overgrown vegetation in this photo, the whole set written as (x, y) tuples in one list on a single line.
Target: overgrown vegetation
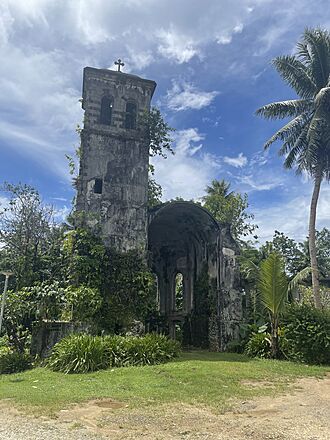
[(86, 353)]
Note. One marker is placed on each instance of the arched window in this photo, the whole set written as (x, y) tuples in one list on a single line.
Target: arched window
[(179, 292), (130, 119), (106, 110)]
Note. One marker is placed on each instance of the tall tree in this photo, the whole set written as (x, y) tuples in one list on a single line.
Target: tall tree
[(30, 241), (229, 207), (306, 138)]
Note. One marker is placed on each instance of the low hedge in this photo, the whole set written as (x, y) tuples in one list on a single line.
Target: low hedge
[(13, 362), (85, 353)]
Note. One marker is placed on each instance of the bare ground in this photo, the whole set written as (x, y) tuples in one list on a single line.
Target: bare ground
[(301, 414)]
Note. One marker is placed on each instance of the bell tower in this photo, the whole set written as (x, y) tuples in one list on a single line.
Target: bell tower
[(113, 177)]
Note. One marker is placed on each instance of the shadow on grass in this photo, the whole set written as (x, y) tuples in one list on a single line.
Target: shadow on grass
[(208, 356)]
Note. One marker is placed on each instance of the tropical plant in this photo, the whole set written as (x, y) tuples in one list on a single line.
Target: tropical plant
[(274, 289), (273, 286), (306, 138), (84, 353), (229, 207)]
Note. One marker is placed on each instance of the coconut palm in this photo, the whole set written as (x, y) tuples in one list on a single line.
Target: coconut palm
[(306, 137), (274, 288)]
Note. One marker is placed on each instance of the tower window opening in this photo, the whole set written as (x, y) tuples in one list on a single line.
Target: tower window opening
[(98, 186), (130, 119), (106, 110), (179, 292)]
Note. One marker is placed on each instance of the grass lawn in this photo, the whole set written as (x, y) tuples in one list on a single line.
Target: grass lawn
[(212, 379)]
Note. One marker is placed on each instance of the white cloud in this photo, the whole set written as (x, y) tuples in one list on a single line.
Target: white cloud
[(292, 217), (189, 171), (259, 183), (238, 162), (176, 47), (186, 96)]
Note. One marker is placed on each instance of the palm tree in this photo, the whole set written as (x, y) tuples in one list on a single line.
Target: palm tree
[(306, 138), (274, 289)]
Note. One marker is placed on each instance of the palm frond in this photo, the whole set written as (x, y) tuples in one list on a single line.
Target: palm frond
[(297, 279), (290, 130), (296, 74), (295, 152), (273, 284), (295, 136), (284, 109), (317, 42)]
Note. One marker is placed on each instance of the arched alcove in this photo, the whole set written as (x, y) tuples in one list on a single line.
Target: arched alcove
[(183, 238)]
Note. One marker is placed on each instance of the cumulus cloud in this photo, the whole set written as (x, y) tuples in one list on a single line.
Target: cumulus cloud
[(189, 171), (46, 44), (238, 162), (292, 216), (186, 96)]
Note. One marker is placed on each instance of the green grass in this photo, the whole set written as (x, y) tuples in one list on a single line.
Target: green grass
[(212, 379)]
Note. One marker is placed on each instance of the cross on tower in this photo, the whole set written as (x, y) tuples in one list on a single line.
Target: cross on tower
[(119, 63)]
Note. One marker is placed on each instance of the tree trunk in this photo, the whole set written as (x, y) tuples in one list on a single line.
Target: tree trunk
[(312, 241), (274, 337)]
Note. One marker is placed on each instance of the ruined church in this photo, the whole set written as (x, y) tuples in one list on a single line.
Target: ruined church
[(176, 237)]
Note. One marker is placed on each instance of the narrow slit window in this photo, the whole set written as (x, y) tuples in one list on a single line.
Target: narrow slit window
[(106, 110), (179, 292), (98, 186), (130, 120)]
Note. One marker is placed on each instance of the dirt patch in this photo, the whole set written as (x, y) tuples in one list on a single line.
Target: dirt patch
[(301, 414)]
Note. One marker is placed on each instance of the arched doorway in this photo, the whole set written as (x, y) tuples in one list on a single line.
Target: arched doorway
[(185, 240)]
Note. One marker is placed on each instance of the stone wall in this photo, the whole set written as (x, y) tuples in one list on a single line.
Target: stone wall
[(117, 156)]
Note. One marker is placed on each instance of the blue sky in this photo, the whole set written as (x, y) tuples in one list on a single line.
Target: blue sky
[(211, 61)]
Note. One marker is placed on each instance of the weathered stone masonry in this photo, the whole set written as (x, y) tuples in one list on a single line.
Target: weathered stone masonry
[(178, 237), (113, 179)]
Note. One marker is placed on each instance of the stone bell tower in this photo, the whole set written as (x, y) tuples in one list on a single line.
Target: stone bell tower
[(113, 177)]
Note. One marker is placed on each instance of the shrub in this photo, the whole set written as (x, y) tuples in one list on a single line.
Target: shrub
[(84, 353), (307, 334), (259, 345), (235, 346), (148, 350), (79, 354), (14, 362)]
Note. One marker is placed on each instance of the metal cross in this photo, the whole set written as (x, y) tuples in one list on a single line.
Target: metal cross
[(119, 63)]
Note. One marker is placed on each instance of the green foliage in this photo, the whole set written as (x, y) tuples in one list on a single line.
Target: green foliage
[(84, 302), (306, 296), (150, 349), (30, 242), (158, 133), (307, 332), (259, 345), (273, 284), (86, 258), (306, 138), (292, 252), (14, 362), (296, 254), (129, 291), (229, 207), (79, 354), (85, 353), (155, 193)]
